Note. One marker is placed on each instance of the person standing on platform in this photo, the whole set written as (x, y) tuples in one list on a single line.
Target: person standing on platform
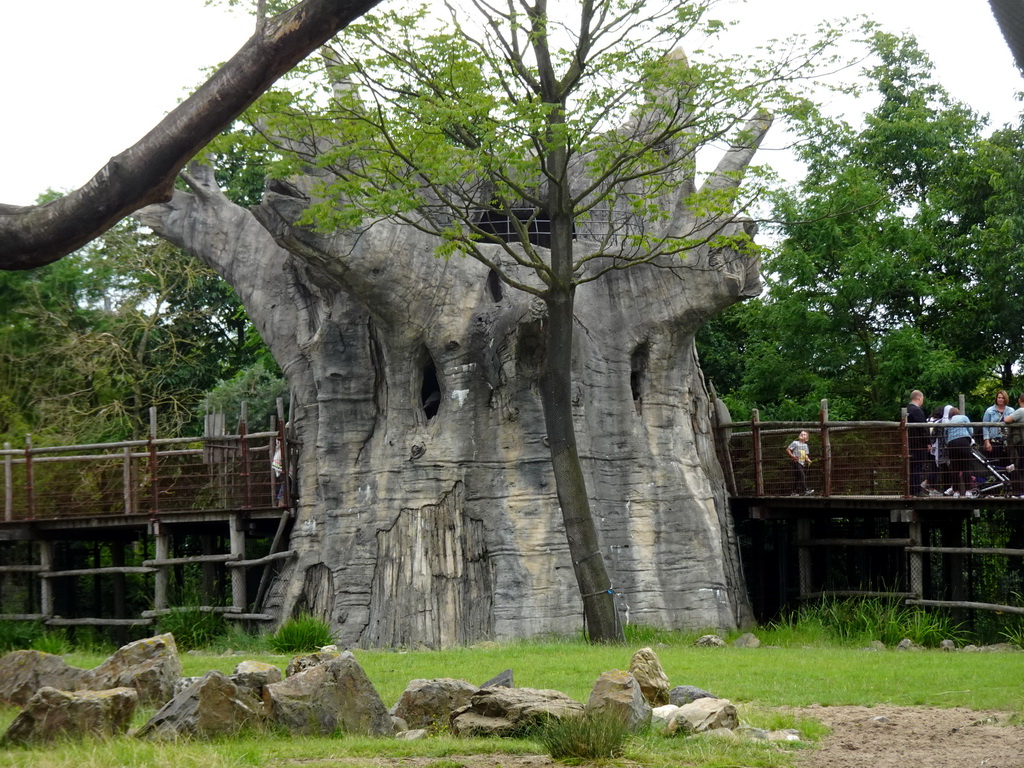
[(917, 441), (800, 455), (1015, 441)]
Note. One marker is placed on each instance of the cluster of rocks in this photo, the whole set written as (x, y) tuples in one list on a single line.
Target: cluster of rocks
[(325, 693)]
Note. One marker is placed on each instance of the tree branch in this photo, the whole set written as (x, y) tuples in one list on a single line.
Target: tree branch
[(31, 236)]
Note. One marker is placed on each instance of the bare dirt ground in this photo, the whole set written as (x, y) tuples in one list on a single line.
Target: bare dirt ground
[(911, 737), (861, 737)]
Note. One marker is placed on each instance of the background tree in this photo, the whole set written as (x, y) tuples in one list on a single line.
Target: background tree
[(879, 283)]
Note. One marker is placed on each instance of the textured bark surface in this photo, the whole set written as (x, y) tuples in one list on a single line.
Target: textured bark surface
[(440, 528)]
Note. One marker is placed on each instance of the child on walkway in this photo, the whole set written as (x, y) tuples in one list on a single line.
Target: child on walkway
[(800, 455)]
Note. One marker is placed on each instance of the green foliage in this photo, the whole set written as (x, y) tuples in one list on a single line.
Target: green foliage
[(89, 343), (858, 621), (892, 262), (193, 628), (301, 634), (259, 385), (591, 736), (19, 635)]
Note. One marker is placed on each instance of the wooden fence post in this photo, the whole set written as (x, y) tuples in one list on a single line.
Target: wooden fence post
[(45, 584), (755, 433), (236, 525), (826, 452), (8, 484), (161, 577), (30, 497)]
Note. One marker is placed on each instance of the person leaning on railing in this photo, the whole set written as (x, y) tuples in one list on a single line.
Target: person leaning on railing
[(958, 443), (1015, 440)]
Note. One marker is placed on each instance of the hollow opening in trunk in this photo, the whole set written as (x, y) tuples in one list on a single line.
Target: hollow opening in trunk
[(430, 388), (638, 375)]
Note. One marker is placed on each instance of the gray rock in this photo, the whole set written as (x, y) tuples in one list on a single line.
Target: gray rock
[(646, 668), (747, 640), (704, 715), (308, 661), (684, 694), (52, 714), (329, 697), (414, 735), (947, 645), (150, 666), (212, 706), (906, 644), (430, 703), (182, 684), (23, 673), (662, 716), (617, 694), (709, 641), (255, 674), (501, 680), (511, 711)]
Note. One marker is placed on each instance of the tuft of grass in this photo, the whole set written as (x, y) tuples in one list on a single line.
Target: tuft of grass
[(300, 635), (193, 628), (53, 641), (591, 736), (858, 621)]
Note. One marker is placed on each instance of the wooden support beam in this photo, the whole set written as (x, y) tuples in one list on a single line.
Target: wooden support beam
[(96, 622), (966, 604), (97, 571)]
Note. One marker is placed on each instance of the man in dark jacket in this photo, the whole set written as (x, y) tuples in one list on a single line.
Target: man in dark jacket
[(917, 440)]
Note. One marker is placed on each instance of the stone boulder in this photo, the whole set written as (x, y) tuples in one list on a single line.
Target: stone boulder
[(23, 673), (255, 675), (332, 696), (52, 714), (430, 703), (150, 666), (503, 679), (213, 706), (684, 694), (308, 661), (646, 667), (703, 715), (511, 711), (617, 694), (709, 641), (662, 716), (747, 640)]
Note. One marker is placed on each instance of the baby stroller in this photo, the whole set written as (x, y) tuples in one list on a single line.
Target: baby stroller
[(992, 479)]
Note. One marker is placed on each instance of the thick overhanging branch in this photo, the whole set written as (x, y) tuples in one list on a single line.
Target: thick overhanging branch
[(31, 236)]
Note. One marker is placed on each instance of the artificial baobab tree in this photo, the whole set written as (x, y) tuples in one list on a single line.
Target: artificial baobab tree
[(481, 269)]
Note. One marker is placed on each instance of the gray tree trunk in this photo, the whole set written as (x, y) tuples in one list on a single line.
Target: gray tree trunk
[(438, 528)]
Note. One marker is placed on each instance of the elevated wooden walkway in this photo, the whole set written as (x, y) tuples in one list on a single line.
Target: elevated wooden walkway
[(119, 534)]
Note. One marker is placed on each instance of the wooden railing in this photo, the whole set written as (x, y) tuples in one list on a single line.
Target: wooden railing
[(849, 458), (143, 477)]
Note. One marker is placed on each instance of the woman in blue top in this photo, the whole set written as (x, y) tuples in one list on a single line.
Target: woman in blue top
[(958, 445), (995, 437)]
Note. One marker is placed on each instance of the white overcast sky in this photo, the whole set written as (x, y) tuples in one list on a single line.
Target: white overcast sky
[(81, 81)]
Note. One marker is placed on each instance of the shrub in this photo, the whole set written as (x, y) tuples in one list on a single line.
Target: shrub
[(301, 634), (591, 736)]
